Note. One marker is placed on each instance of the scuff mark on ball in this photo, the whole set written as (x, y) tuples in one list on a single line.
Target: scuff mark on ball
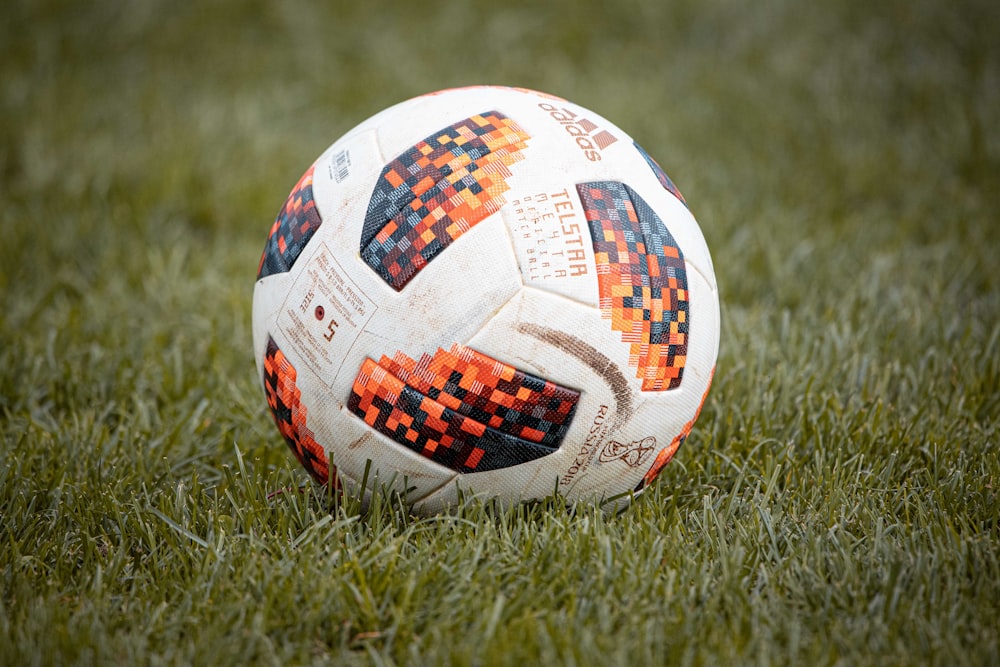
[(595, 359)]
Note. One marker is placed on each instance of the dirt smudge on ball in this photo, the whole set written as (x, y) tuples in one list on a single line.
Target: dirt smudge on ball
[(594, 358), (360, 441)]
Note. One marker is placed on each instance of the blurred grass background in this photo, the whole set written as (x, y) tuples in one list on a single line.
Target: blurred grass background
[(836, 503)]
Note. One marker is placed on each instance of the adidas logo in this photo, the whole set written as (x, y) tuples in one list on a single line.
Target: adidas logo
[(588, 135)]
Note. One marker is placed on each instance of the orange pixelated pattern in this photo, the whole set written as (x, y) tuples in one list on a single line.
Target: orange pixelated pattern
[(436, 191), (642, 281), (297, 221), (661, 175), (463, 409), (285, 400), (663, 458)]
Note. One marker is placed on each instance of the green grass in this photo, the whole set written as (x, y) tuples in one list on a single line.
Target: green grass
[(837, 502)]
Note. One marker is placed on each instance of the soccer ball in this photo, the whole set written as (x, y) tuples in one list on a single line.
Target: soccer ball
[(486, 291)]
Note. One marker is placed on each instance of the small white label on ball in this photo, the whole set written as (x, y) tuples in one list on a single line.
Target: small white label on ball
[(324, 314)]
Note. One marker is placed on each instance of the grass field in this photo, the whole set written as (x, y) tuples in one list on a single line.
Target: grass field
[(837, 503)]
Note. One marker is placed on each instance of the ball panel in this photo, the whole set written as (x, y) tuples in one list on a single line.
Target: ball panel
[(296, 223), (661, 175), (343, 179), (462, 409), (548, 232), (449, 300), (491, 392), (434, 191), (677, 218), (268, 295), (667, 453), (642, 281), (322, 312), (290, 414)]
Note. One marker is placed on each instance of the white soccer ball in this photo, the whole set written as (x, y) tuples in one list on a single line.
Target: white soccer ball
[(486, 291)]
